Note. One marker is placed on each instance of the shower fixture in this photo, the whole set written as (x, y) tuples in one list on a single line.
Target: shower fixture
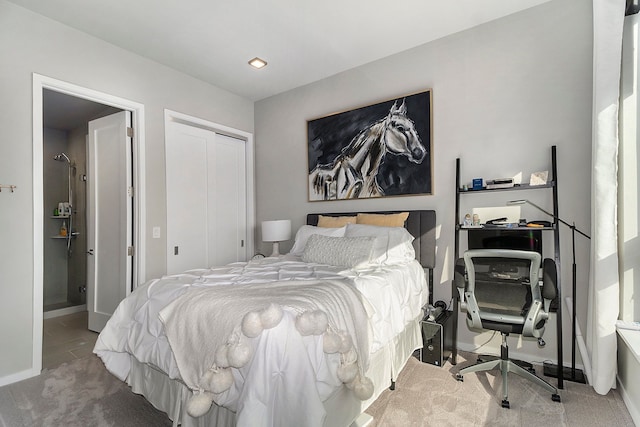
[(61, 157)]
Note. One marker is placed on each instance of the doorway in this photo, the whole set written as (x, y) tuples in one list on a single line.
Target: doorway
[(67, 193), (65, 126)]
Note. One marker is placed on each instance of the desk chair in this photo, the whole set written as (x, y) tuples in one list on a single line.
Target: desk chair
[(500, 291)]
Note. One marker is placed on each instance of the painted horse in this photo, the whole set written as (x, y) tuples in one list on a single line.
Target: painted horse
[(352, 174)]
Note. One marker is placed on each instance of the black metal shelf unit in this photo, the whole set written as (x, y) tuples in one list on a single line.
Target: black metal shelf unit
[(516, 187), (553, 185)]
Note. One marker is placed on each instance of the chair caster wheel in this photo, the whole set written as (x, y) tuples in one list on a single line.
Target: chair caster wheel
[(555, 397), (459, 378), (505, 404)]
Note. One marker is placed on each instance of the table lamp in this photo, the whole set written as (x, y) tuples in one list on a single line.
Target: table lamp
[(276, 231)]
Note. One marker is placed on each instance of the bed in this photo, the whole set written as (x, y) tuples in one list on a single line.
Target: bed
[(308, 338)]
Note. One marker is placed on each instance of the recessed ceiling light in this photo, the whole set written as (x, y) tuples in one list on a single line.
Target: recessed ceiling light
[(258, 63)]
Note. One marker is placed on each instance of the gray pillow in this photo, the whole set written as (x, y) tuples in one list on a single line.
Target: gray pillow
[(349, 252)]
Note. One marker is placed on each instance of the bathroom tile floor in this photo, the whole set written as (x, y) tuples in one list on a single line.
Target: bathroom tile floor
[(66, 338)]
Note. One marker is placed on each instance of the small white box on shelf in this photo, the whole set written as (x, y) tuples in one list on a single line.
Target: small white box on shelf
[(539, 178)]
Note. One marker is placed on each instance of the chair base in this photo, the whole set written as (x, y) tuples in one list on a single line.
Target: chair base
[(525, 365), (506, 366)]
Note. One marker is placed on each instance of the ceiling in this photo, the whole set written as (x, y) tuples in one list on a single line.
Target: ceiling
[(66, 112), (302, 40)]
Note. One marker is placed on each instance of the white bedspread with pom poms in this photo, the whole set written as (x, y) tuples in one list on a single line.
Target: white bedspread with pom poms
[(213, 330), (260, 392)]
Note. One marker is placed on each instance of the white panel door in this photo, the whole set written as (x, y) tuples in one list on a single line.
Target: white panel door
[(186, 164), (227, 200), (206, 198), (109, 216)]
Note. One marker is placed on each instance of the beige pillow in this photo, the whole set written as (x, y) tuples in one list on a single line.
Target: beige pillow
[(383, 220), (335, 221)]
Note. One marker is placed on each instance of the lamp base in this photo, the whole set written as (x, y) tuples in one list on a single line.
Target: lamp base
[(577, 376), (276, 249)]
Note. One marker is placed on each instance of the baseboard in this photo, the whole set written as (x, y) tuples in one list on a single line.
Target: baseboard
[(64, 311), (18, 376), (631, 404), (527, 357)]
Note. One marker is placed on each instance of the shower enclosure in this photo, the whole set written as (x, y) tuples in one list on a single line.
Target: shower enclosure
[(65, 209), (65, 264)]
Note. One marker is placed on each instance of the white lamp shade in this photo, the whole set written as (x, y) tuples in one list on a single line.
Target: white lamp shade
[(276, 231)]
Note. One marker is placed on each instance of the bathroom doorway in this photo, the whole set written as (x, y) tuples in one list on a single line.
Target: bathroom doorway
[(65, 129), (100, 302)]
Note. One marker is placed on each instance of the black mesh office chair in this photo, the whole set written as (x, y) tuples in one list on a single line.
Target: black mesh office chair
[(500, 291)]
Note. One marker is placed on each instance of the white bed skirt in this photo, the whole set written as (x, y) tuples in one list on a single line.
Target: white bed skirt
[(342, 406)]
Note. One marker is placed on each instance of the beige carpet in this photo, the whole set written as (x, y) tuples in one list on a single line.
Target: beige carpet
[(82, 393), (428, 395)]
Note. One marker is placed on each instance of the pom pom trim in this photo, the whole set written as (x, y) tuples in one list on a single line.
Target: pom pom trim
[(237, 352)]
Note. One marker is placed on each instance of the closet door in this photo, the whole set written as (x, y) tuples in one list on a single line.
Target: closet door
[(227, 220), (206, 194)]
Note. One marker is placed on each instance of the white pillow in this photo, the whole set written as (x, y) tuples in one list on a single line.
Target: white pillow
[(307, 230), (393, 244), (352, 252)]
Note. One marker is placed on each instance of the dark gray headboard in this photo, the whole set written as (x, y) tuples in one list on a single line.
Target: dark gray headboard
[(421, 224)]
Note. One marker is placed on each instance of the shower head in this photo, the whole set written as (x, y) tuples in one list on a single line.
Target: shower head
[(62, 158)]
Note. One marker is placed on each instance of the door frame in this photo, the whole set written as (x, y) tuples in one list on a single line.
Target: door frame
[(41, 82), (175, 116)]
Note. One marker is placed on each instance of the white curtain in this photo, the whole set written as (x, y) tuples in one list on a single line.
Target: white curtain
[(608, 20)]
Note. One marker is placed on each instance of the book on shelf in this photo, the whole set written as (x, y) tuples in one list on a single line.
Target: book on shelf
[(500, 183), (494, 186)]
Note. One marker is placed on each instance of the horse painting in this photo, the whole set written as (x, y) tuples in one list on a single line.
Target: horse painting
[(353, 173)]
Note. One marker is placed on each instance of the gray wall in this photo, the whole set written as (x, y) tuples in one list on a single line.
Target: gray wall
[(503, 94), (30, 44), (77, 263), (64, 274), (55, 190)]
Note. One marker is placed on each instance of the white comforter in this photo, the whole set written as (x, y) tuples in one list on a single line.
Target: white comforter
[(306, 376)]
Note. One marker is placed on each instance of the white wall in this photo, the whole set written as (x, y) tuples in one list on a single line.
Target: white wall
[(31, 44), (629, 216), (503, 94), (628, 374)]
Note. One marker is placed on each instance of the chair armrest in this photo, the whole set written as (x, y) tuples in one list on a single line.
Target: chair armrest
[(470, 305), (535, 314)]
